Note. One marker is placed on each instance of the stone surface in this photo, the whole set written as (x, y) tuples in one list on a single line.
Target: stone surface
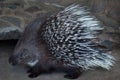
[(108, 12), (16, 14), (8, 30)]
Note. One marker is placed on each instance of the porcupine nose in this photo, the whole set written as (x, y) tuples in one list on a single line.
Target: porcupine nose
[(12, 60)]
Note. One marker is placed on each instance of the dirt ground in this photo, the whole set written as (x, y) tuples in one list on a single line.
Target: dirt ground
[(8, 72)]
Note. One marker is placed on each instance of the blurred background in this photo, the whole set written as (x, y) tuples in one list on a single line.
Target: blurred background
[(16, 14)]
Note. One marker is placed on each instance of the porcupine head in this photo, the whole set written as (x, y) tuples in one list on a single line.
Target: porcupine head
[(26, 53), (30, 54)]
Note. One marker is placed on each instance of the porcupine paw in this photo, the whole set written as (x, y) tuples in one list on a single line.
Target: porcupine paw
[(36, 71), (33, 73), (73, 73), (71, 76), (29, 70)]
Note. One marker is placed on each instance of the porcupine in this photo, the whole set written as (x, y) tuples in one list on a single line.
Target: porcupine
[(67, 40)]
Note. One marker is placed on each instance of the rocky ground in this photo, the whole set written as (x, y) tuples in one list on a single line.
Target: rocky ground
[(8, 72), (16, 14)]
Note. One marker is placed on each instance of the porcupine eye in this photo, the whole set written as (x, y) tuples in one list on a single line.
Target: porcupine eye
[(23, 54)]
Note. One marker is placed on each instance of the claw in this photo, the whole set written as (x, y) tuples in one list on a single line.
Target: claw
[(33, 75), (71, 76)]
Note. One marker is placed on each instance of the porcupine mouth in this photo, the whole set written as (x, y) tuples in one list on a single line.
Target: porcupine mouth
[(12, 61)]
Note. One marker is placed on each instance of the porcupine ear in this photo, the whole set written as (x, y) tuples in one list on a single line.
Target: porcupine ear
[(34, 25)]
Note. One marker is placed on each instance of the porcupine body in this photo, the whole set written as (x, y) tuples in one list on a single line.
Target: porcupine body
[(71, 36), (68, 40)]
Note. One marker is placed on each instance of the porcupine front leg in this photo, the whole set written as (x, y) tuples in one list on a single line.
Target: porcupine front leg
[(73, 73), (35, 71), (38, 70)]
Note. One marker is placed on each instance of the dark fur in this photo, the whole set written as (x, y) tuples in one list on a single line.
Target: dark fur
[(46, 64)]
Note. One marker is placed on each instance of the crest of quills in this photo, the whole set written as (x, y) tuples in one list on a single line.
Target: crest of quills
[(70, 37)]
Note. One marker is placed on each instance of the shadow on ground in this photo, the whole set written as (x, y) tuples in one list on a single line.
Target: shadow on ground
[(8, 72)]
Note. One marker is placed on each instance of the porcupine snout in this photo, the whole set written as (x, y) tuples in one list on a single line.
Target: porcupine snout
[(12, 60)]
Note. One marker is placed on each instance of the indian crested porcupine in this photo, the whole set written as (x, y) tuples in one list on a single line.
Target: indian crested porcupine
[(68, 41)]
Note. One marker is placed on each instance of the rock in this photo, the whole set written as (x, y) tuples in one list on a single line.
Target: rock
[(21, 12), (13, 20), (33, 9), (9, 31), (108, 11), (16, 14)]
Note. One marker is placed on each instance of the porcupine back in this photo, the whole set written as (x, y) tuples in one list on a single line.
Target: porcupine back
[(72, 35)]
